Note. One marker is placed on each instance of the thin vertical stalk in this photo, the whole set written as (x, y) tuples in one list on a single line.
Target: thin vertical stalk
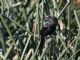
[(37, 16), (68, 17), (56, 9), (2, 40), (2, 6), (75, 47), (50, 52), (42, 13), (77, 20)]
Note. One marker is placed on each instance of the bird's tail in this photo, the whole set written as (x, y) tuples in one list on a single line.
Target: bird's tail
[(41, 43)]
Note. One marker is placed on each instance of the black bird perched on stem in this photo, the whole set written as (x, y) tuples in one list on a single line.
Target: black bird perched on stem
[(49, 27)]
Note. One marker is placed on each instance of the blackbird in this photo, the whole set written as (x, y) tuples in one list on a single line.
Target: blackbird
[(49, 27)]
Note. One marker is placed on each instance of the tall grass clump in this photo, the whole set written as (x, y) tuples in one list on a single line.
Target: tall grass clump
[(20, 25)]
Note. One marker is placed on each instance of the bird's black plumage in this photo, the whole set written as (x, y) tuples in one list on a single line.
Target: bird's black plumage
[(49, 27)]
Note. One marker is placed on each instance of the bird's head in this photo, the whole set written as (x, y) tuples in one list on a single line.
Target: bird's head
[(50, 20)]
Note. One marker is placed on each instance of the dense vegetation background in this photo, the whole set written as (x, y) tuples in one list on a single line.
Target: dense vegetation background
[(20, 25)]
